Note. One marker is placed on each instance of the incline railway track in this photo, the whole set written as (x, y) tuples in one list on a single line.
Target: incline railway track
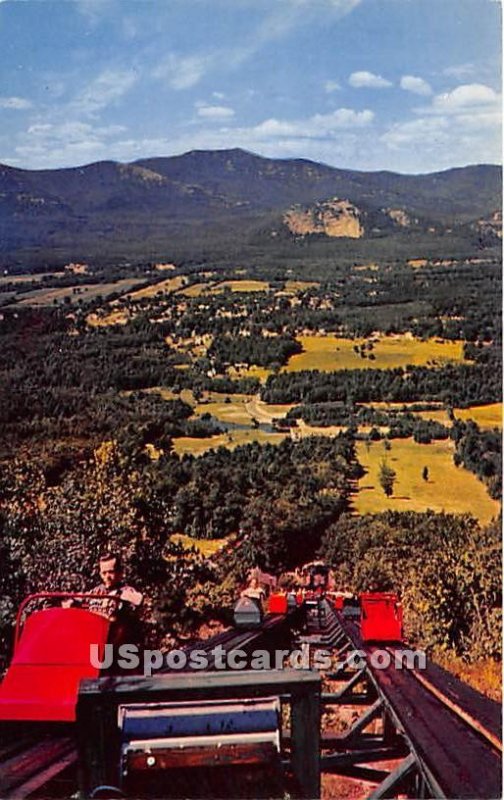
[(45, 760), (436, 736), (452, 733)]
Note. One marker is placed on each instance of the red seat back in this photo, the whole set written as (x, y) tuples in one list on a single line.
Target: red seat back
[(51, 658), (381, 617)]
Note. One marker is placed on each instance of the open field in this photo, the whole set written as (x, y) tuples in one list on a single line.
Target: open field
[(485, 416), (449, 488), (233, 412), (300, 286), (86, 292), (163, 287), (195, 290), (267, 412), (114, 318), (329, 353), (332, 353), (199, 289), (261, 373), (207, 547), (29, 278), (240, 286), (197, 447)]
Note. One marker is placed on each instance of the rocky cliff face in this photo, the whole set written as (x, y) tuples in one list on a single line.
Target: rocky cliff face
[(334, 218)]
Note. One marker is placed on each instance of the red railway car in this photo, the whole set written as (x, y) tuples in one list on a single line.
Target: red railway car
[(51, 657), (381, 617), (278, 603)]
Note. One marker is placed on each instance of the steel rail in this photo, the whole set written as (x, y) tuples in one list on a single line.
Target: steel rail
[(460, 712)]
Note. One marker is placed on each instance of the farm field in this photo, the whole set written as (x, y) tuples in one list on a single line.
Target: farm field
[(196, 447), (114, 318), (37, 278), (300, 286), (240, 286), (195, 290), (167, 286), (332, 353), (55, 296), (233, 412), (449, 488), (238, 409), (207, 547), (485, 416), (329, 353)]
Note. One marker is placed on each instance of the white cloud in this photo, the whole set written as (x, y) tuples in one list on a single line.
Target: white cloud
[(472, 95), (460, 71), (103, 91), (316, 127), (410, 83), (458, 128), (15, 103), (368, 80), (331, 86), (182, 72), (215, 112)]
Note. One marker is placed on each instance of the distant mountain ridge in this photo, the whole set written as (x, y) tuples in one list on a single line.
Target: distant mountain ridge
[(161, 199)]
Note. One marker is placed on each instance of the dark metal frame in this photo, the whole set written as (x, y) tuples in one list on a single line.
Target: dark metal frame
[(99, 701)]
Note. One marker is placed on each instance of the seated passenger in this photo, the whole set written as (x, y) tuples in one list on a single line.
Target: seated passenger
[(113, 585), (254, 590)]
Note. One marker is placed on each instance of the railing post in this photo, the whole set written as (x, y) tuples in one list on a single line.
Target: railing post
[(305, 725)]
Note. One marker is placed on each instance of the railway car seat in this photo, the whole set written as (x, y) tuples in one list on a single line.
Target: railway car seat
[(51, 657)]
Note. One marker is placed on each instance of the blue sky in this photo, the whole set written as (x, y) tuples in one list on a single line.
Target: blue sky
[(403, 85)]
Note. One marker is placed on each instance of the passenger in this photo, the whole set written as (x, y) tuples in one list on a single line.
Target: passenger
[(113, 585), (254, 590)]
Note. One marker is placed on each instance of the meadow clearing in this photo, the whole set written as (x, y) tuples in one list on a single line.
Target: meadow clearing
[(207, 547), (293, 287), (167, 286), (239, 285), (37, 277), (84, 292), (118, 317), (487, 417), (448, 489), (330, 353), (197, 447)]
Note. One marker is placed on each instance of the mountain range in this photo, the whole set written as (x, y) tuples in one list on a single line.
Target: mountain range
[(109, 207)]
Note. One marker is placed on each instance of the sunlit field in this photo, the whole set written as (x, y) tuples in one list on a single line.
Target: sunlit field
[(240, 286), (85, 292), (163, 287), (197, 447), (207, 547), (330, 353), (234, 412), (485, 416), (449, 488), (300, 286), (195, 290), (119, 317)]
